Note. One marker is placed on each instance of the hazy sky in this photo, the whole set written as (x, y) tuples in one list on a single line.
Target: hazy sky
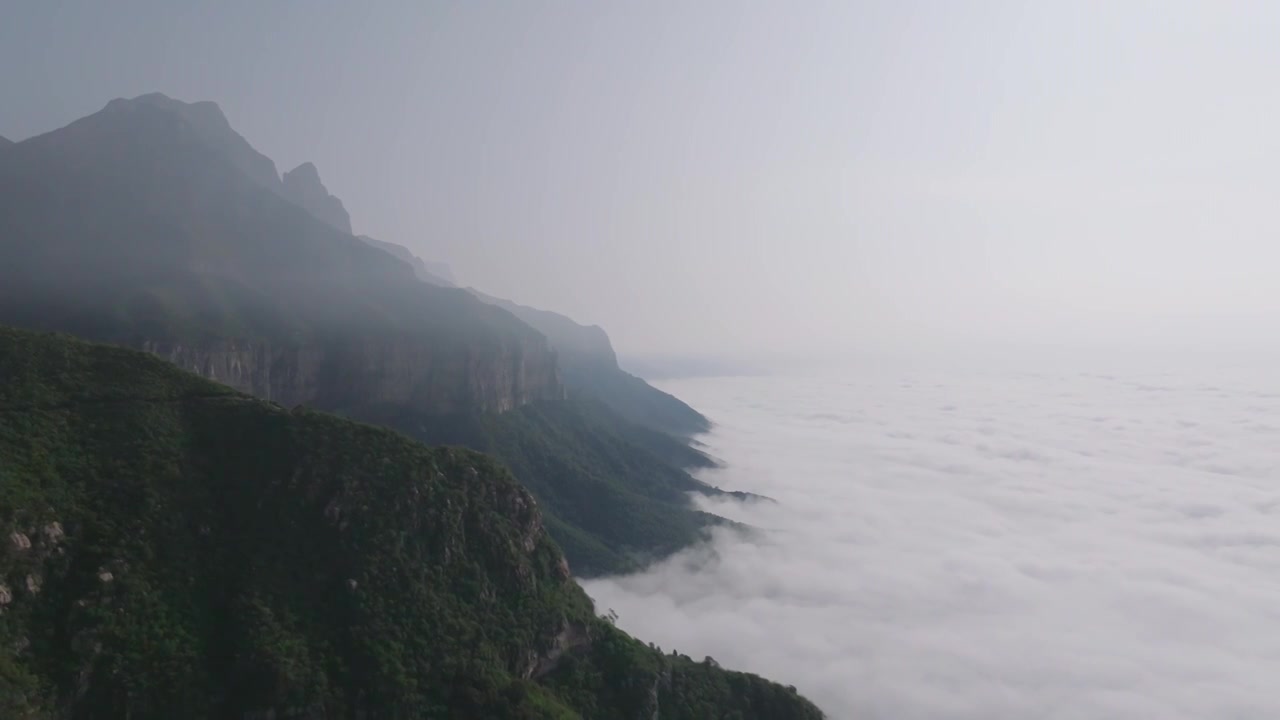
[(740, 176)]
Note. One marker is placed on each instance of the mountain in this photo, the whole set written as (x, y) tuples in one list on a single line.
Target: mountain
[(302, 186), (173, 548), (575, 343), (139, 226), (614, 494), (589, 366), (5, 142), (587, 358), (435, 273), (153, 224), (205, 120)]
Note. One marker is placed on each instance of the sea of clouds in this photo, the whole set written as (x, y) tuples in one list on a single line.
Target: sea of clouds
[(987, 545)]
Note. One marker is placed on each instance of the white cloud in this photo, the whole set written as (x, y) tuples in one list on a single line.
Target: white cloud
[(969, 545)]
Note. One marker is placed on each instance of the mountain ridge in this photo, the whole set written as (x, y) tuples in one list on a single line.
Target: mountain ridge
[(172, 246), (175, 544), (207, 119), (128, 226), (586, 356), (433, 273), (589, 365)]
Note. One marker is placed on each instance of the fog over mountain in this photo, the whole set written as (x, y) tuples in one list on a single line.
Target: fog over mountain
[(964, 315), (813, 178), (982, 545)]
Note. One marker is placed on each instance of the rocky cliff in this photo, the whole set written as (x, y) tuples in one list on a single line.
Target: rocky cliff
[(382, 370), (589, 366), (587, 361)]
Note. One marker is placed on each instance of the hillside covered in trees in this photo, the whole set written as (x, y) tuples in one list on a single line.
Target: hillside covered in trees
[(173, 548)]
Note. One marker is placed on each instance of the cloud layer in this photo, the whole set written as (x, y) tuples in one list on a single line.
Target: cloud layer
[(969, 545)]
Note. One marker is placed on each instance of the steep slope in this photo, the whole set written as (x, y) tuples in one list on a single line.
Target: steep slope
[(589, 366), (204, 120), (302, 187), (434, 273), (587, 360), (614, 494), (151, 224), (175, 549), (580, 344)]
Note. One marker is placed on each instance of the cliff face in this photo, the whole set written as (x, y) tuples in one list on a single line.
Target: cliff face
[(348, 373), (590, 367)]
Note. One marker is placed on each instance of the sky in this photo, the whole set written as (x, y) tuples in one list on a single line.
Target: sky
[(976, 544), (751, 178)]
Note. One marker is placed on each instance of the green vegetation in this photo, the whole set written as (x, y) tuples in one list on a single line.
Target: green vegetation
[(634, 399), (620, 672), (614, 494), (172, 548)]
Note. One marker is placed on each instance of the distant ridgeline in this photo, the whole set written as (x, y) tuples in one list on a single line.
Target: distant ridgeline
[(153, 224), (590, 367), (175, 549)]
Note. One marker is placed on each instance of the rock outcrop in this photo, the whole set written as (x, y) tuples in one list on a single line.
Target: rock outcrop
[(302, 187), (379, 371), (589, 366)]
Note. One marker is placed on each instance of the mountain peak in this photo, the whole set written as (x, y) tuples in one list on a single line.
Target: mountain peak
[(212, 126), (306, 171), (204, 114), (302, 187)]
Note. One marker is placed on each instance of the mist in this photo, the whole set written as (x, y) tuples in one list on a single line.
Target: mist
[(959, 543), (982, 297), (804, 180)]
